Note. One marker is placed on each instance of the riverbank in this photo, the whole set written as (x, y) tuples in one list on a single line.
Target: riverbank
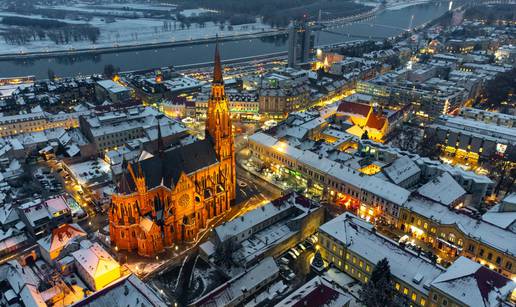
[(386, 24), (45, 52), (145, 46)]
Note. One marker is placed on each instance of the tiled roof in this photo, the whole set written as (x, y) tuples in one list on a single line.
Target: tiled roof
[(354, 108), (375, 121)]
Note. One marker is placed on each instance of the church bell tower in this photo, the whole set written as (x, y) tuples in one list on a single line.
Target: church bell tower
[(218, 125)]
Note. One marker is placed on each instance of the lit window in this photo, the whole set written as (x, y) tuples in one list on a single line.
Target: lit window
[(405, 291), (367, 268), (347, 255), (346, 267), (422, 302), (354, 259), (414, 297), (361, 263), (397, 286)]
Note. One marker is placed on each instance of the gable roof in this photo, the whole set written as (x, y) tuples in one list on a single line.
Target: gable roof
[(317, 292), (401, 169), (442, 189), (473, 284), (61, 236), (376, 121), (95, 260), (354, 108), (167, 169)]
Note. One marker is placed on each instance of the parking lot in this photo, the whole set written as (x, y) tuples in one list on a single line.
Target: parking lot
[(295, 262)]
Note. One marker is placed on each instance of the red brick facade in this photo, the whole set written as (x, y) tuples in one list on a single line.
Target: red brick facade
[(147, 217)]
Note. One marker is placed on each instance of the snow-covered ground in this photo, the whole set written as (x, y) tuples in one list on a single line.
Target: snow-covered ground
[(393, 4), (130, 32), (401, 4)]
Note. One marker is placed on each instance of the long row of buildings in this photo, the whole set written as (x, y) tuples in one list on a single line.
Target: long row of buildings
[(432, 201)]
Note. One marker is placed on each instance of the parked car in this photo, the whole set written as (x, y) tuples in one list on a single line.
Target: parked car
[(295, 251), (284, 260), (292, 254)]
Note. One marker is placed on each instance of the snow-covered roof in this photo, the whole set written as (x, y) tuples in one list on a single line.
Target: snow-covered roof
[(8, 214), (510, 199), (95, 260), (401, 169), (35, 211), (317, 292), (247, 281), (486, 233), (467, 125), (128, 291), (112, 86), (56, 204), (473, 284), (502, 219), (19, 276), (31, 297), (61, 236), (357, 236), (91, 172), (11, 238), (442, 189), (267, 212)]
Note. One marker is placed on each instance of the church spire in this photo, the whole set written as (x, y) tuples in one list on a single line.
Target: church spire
[(218, 120), (161, 145), (217, 66)]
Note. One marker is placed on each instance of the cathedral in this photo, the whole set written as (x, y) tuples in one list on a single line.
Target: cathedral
[(167, 198)]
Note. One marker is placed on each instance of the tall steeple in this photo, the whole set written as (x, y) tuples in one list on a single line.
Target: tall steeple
[(219, 129), (218, 121), (217, 66)]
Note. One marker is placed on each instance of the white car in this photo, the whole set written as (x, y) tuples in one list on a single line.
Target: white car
[(295, 251), (291, 253), (284, 260)]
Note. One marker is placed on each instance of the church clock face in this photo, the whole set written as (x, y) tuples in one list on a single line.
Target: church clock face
[(184, 200)]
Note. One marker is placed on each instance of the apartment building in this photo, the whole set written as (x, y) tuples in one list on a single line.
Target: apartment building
[(353, 246)]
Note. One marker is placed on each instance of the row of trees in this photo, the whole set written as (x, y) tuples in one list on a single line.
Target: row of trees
[(28, 29), (66, 35)]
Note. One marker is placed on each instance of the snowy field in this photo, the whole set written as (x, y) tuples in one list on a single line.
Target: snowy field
[(129, 32)]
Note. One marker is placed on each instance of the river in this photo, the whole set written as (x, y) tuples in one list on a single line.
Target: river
[(385, 24)]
